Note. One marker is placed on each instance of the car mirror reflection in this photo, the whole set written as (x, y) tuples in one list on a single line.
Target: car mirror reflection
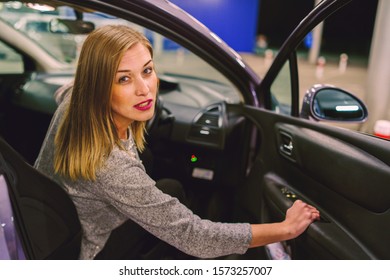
[(68, 26), (328, 103)]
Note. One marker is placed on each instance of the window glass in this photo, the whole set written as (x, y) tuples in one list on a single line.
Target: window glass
[(281, 91), (333, 63), (10, 61), (43, 28)]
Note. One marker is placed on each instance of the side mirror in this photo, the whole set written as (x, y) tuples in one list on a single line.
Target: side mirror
[(70, 26), (328, 103)]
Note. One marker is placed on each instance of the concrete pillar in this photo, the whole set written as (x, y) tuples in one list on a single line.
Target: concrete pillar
[(317, 38), (377, 97)]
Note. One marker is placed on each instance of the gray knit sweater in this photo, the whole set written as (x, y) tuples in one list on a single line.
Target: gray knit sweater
[(124, 191)]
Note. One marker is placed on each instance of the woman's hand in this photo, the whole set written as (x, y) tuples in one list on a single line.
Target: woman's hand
[(298, 217)]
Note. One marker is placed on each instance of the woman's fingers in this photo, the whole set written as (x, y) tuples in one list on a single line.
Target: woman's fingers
[(308, 209)]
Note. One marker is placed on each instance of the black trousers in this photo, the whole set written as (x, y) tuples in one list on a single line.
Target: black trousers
[(130, 241)]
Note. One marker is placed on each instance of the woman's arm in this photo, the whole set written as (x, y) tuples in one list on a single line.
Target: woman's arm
[(298, 218)]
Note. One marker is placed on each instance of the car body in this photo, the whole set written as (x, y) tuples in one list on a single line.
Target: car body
[(241, 152)]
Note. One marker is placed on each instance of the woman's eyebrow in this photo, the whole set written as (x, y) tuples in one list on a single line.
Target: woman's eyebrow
[(125, 70)]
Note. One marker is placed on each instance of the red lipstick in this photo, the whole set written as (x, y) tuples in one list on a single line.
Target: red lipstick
[(144, 105)]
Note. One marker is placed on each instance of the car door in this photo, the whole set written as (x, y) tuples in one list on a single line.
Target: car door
[(342, 172)]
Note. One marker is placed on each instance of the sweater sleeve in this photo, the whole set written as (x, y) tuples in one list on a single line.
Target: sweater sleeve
[(124, 183)]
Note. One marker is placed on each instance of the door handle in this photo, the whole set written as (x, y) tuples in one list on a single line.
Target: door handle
[(288, 148), (286, 144)]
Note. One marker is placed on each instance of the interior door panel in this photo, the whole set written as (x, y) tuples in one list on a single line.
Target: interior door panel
[(344, 174), (324, 239), (329, 160)]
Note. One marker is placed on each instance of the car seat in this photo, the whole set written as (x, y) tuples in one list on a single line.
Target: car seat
[(44, 216)]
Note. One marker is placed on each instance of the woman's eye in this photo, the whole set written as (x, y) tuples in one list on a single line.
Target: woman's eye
[(123, 79), (148, 70)]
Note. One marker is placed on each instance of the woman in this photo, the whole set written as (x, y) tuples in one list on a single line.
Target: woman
[(91, 150)]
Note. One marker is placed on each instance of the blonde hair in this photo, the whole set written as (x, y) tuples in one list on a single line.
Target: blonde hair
[(87, 133)]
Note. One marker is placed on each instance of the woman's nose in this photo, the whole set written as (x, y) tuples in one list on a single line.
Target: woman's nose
[(142, 87)]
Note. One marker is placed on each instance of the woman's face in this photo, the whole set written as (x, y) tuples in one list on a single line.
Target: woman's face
[(134, 88)]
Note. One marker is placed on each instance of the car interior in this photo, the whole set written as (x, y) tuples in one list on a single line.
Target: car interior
[(239, 160), (190, 139)]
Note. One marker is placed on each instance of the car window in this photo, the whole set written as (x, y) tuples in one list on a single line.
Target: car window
[(170, 57), (281, 91), (11, 62), (327, 69), (335, 65)]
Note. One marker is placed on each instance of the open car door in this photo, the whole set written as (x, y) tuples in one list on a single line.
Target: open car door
[(342, 172)]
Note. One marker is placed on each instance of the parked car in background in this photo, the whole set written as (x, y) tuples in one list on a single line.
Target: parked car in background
[(244, 147), (60, 44)]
